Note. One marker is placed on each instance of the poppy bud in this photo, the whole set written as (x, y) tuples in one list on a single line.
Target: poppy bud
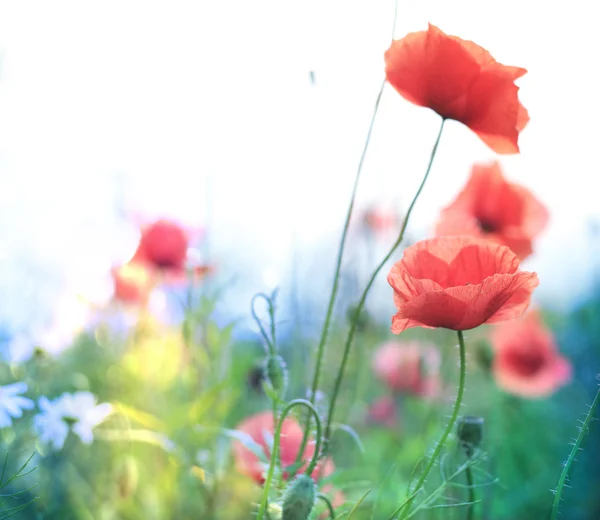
[(299, 498), (470, 433), (255, 378), (276, 374)]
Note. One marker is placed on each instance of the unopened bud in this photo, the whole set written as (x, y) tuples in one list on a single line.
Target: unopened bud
[(299, 498), (470, 433), (276, 375)]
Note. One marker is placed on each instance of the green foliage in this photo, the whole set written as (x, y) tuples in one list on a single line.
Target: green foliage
[(13, 502)]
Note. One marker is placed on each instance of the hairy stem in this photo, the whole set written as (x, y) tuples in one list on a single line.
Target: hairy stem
[(576, 447), (275, 450), (440, 445)]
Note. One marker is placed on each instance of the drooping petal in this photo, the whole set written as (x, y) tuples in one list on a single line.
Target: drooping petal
[(459, 80)]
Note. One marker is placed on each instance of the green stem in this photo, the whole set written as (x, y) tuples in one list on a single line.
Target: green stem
[(449, 427), (336, 276), (328, 504), (363, 298), (576, 447), (470, 483), (270, 343), (338, 265), (275, 451)]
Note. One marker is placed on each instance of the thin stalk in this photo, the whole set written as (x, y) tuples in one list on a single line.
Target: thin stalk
[(270, 342), (471, 484), (338, 265), (363, 298), (440, 445), (275, 451), (329, 505), (576, 447)]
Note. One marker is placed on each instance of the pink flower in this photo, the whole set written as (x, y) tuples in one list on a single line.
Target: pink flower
[(527, 361), (408, 367)]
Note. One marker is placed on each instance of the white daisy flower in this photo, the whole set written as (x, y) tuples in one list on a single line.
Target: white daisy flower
[(76, 412), (12, 404)]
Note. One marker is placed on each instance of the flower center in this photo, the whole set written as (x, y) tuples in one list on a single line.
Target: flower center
[(166, 263), (486, 226), (70, 420), (527, 364)]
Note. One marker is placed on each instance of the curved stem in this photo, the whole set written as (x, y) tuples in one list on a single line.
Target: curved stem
[(275, 449), (576, 447), (363, 298), (338, 266), (270, 344), (340, 254), (328, 504), (470, 483), (449, 427)]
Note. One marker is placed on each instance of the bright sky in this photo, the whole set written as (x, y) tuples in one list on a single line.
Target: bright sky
[(204, 111)]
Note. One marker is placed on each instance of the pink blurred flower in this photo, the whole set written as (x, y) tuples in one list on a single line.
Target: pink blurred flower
[(260, 428), (527, 361), (382, 411), (409, 367), (380, 220)]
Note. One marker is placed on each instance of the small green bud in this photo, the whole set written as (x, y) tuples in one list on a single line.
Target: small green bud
[(276, 375), (470, 433), (299, 499)]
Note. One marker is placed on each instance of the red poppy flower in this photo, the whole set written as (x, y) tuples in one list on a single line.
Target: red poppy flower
[(260, 428), (163, 247), (133, 282), (382, 411), (527, 361), (409, 367), (458, 283), (459, 80), (489, 206)]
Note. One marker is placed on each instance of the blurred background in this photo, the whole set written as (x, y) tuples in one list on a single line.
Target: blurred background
[(247, 119)]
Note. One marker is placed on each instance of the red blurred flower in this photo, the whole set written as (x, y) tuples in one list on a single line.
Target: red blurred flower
[(163, 247), (383, 411), (260, 427), (489, 206), (527, 361), (459, 80), (458, 283), (409, 367), (133, 282)]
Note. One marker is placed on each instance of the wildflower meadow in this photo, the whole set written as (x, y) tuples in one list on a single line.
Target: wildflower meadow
[(416, 374)]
